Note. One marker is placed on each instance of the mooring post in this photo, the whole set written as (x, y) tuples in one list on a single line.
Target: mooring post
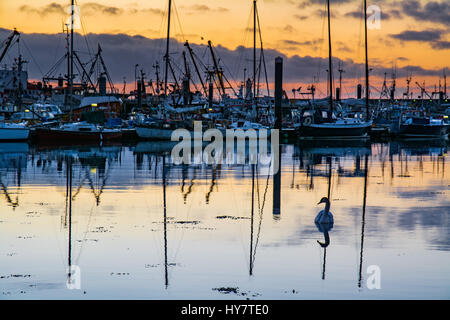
[(278, 126)]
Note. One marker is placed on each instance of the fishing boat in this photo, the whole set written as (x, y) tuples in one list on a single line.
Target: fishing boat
[(77, 132), (13, 132), (424, 127)]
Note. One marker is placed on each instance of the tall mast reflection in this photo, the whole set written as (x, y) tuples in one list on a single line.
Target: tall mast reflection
[(69, 211), (363, 220), (324, 220), (252, 219), (166, 276)]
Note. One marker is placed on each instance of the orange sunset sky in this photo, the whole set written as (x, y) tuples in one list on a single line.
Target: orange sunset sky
[(412, 33)]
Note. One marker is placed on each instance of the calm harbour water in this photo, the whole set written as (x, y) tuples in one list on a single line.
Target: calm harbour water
[(395, 216)]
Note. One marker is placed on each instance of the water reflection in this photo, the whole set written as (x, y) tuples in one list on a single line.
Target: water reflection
[(208, 221)]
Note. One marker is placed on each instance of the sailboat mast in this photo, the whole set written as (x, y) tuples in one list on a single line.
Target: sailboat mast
[(367, 62), (71, 57), (330, 66), (254, 59), (167, 49)]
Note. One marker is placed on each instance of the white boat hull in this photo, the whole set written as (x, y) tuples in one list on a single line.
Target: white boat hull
[(154, 133)]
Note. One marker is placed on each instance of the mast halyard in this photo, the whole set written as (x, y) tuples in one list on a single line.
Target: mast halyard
[(262, 52), (167, 49), (330, 65), (367, 62)]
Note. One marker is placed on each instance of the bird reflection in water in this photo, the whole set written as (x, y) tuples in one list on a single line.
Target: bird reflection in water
[(324, 222)]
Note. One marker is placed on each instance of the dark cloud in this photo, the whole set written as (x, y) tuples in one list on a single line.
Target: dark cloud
[(432, 11), (354, 14), (341, 46), (358, 14), (441, 45), (91, 8), (302, 43), (150, 10), (324, 13), (202, 8), (121, 52), (424, 36), (432, 37), (307, 3), (48, 9), (288, 28), (300, 17)]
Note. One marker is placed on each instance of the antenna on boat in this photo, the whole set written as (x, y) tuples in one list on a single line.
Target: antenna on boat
[(408, 83), (341, 71), (384, 90), (445, 85)]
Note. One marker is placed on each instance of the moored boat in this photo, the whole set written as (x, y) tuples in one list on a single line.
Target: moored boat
[(152, 129), (424, 127), (13, 132), (77, 132), (317, 124), (338, 129)]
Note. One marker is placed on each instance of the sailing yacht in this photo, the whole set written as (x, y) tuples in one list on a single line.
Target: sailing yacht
[(328, 124)]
